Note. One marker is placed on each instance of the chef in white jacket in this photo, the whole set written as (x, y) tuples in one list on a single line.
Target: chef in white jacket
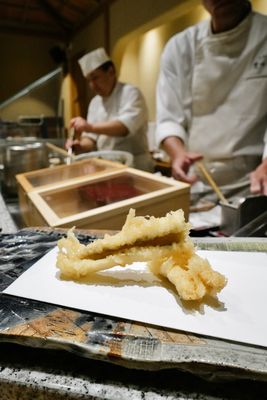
[(212, 96), (117, 115)]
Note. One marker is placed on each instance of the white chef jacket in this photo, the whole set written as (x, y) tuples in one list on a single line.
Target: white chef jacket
[(212, 89), (127, 105)]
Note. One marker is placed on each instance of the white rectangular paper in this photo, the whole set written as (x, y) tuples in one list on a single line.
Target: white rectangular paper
[(134, 293)]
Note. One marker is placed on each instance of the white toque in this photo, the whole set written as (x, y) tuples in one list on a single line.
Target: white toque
[(93, 60)]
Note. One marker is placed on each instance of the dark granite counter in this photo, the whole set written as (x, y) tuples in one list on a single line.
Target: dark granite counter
[(28, 374), (7, 225), (35, 365)]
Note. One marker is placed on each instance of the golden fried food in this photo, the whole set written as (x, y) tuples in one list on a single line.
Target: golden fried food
[(163, 243)]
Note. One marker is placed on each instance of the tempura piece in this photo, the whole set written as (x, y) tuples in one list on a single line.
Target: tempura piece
[(163, 243), (140, 239), (193, 280)]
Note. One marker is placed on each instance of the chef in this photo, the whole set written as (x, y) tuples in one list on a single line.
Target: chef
[(117, 115), (212, 96)]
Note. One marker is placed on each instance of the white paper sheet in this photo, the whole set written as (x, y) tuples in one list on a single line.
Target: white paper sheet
[(133, 293)]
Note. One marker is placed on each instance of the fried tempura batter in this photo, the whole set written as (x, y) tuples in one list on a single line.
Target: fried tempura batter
[(163, 243)]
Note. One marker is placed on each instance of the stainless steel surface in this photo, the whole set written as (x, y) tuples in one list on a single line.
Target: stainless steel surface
[(240, 211), (21, 158), (24, 154), (255, 228)]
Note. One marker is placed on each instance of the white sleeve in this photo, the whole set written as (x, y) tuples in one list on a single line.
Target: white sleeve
[(90, 118), (173, 90), (132, 111)]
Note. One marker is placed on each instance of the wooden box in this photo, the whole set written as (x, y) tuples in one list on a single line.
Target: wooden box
[(57, 177), (103, 201)]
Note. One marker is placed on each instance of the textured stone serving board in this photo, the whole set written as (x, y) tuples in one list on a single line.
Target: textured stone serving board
[(126, 343)]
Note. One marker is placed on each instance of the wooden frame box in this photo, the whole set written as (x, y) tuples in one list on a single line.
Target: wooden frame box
[(57, 177), (103, 202)]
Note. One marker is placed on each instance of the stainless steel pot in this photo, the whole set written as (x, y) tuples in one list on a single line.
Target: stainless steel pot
[(20, 158)]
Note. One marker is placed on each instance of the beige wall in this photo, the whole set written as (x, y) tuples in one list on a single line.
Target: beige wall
[(138, 31), (140, 57), (260, 6), (138, 53), (89, 38), (127, 25), (138, 37), (24, 59), (131, 35)]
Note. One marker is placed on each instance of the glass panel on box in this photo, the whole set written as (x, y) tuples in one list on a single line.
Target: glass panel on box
[(75, 170), (87, 196)]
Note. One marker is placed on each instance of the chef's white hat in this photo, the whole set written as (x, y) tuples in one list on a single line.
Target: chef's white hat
[(93, 60)]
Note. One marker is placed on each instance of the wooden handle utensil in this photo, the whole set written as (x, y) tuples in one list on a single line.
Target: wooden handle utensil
[(211, 182)]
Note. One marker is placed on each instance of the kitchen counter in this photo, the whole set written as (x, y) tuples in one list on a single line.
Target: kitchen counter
[(28, 374), (44, 354), (7, 225)]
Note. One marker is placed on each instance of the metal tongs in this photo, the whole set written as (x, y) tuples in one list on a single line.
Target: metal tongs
[(70, 155)]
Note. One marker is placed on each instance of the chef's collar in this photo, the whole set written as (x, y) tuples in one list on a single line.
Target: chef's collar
[(113, 93), (234, 33), (230, 42)]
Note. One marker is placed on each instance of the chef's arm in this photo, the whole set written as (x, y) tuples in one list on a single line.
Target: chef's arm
[(174, 146), (181, 159), (109, 128)]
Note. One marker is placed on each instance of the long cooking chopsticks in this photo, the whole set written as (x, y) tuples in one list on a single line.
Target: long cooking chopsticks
[(71, 137), (57, 149), (211, 182)]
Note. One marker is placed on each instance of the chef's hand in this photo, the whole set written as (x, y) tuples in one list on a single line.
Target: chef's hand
[(258, 179), (181, 159), (181, 165), (80, 125), (72, 143), (83, 145)]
